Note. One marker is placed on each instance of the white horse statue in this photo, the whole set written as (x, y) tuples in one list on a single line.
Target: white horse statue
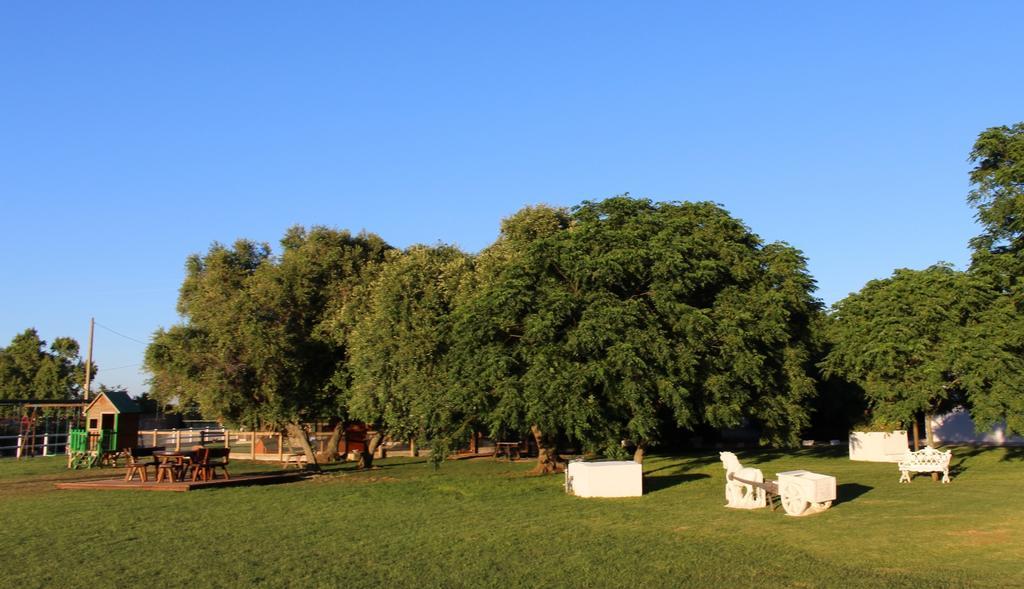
[(739, 494)]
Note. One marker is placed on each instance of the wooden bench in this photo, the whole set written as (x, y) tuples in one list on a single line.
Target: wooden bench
[(296, 459), (927, 460)]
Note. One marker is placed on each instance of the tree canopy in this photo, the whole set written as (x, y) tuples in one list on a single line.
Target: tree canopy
[(998, 196), (608, 321), (400, 342), (920, 342), (28, 370), (248, 347)]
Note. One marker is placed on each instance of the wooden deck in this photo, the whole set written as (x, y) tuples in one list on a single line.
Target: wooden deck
[(136, 485)]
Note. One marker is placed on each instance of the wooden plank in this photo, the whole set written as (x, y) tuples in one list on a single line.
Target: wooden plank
[(121, 484)]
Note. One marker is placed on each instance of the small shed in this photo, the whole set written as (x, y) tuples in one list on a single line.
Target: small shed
[(116, 413)]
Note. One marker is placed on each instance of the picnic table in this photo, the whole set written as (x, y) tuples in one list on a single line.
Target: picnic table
[(172, 464), (509, 449)]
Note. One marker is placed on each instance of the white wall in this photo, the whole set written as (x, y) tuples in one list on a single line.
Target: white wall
[(958, 428)]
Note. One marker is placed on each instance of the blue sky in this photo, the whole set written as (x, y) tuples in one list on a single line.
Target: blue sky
[(133, 134)]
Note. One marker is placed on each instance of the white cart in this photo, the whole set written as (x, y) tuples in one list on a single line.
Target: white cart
[(802, 492)]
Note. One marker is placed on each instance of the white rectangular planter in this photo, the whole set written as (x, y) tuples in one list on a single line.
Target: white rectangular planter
[(878, 446), (623, 478)]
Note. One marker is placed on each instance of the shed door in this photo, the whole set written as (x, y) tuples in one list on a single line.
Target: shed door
[(107, 421)]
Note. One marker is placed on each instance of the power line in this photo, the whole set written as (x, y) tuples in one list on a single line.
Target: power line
[(121, 367), (122, 335)]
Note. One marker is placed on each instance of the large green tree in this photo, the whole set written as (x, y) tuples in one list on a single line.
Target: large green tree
[(248, 348), (621, 317), (399, 345), (28, 370), (998, 196), (920, 342)]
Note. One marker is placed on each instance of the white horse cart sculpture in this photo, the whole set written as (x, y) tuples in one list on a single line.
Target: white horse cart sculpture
[(801, 492)]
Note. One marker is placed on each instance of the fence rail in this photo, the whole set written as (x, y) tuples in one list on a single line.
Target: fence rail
[(246, 445), (50, 444)]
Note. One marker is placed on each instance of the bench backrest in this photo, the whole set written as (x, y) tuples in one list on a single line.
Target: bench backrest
[(928, 457), (220, 454)]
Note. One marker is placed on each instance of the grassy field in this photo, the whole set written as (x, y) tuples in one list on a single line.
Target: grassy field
[(478, 523)]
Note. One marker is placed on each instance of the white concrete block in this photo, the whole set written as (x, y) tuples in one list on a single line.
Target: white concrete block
[(878, 446), (620, 478)]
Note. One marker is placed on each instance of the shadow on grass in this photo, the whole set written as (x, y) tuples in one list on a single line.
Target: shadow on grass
[(850, 491), (692, 462), (350, 466), (655, 484), (1013, 453), (769, 454)]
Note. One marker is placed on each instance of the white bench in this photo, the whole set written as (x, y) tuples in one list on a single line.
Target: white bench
[(927, 460)]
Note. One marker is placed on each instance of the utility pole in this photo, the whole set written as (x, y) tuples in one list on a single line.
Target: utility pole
[(88, 360)]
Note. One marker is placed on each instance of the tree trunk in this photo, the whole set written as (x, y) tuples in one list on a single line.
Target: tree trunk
[(638, 456), (413, 450), (917, 436), (330, 451), (548, 460), (931, 437), (298, 434), (366, 457)]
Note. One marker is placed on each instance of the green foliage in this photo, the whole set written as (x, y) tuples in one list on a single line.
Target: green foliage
[(921, 341), (400, 340), (604, 321), (29, 371), (248, 348), (998, 196), (991, 364)]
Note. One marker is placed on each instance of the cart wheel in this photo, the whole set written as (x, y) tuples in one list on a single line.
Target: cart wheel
[(793, 500), (819, 507)]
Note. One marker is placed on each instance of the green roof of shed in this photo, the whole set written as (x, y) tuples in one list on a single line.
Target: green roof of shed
[(121, 401)]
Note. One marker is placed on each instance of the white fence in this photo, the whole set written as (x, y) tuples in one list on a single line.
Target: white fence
[(44, 445), (270, 446), (245, 445)]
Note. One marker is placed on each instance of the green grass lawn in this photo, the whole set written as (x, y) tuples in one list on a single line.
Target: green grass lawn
[(477, 523)]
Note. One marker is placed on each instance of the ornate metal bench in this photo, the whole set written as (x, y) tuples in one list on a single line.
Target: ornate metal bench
[(927, 460)]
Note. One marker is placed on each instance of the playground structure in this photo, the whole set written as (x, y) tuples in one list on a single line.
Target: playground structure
[(800, 492), (111, 427), (43, 425)]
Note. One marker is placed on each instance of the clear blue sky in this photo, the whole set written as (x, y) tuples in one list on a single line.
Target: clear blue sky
[(134, 134)]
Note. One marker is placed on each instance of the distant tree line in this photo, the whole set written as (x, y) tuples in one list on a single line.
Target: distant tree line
[(621, 319), (29, 369)]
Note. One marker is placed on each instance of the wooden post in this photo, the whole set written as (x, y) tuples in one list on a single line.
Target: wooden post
[(154, 439), (177, 440), (17, 453), (280, 447), (227, 438), (252, 447), (88, 360), (46, 444)]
